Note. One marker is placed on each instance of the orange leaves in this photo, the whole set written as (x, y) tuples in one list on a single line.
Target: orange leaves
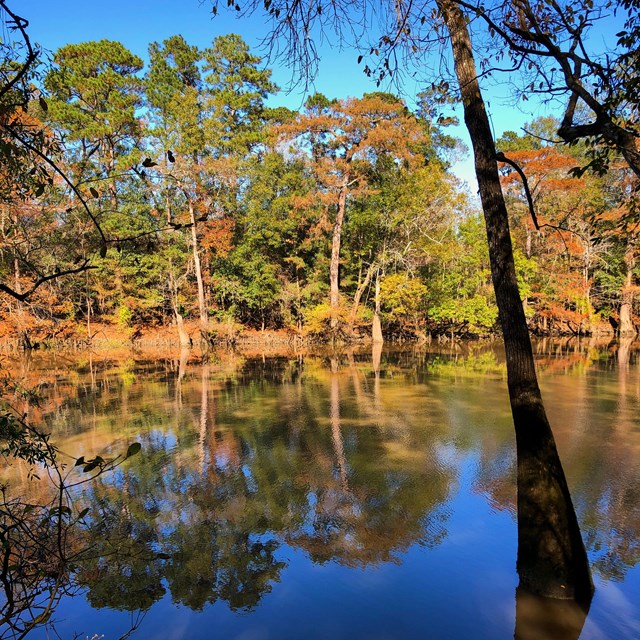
[(217, 236), (344, 140)]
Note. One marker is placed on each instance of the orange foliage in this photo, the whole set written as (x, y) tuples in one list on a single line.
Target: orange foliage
[(217, 235)]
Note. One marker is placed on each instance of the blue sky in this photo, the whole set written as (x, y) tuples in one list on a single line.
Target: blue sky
[(137, 23)]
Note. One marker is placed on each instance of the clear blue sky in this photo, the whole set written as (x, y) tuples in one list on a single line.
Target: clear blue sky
[(136, 23)]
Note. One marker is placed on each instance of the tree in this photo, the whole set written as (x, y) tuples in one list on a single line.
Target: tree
[(552, 41), (94, 94), (30, 154), (551, 557), (344, 141), (210, 113)]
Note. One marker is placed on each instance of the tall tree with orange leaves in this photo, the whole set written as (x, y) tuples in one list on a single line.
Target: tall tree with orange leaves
[(343, 140)]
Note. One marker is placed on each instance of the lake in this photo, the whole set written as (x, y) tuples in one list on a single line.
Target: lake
[(342, 496)]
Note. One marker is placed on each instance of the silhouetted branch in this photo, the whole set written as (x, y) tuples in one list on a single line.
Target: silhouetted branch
[(52, 276), (525, 183)]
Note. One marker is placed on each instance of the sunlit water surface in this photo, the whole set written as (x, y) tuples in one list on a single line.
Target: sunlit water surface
[(303, 497)]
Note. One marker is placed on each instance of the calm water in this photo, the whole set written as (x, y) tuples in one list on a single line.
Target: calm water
[(308, 497)]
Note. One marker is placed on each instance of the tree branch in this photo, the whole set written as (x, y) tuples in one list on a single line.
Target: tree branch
[(52, 276)]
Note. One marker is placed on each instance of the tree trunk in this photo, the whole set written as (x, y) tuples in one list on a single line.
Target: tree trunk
[(334, 266), (376, 329), (626, 326), (183, 336), (360, 289), (204, 320), (552, 561)]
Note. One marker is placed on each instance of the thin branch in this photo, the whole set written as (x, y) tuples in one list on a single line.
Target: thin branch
[(63, 175), (525, 183), (20, 24), (52, 276)]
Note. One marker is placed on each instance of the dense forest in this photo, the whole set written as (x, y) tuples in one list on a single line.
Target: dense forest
[(196, 205)]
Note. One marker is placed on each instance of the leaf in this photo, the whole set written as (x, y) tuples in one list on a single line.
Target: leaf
[(170, 157), (359, 59), (90, 467), (79, 461), (83, 513), (94, 192), (43, 104), (134, 448), (148, 162)]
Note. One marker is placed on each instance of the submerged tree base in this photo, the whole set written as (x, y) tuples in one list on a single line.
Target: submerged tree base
[(539, 618), (552, 561)]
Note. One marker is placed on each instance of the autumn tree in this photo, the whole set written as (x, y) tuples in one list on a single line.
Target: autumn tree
[(209, 108), (556, 226), (551, 555), (344, 140), (600, 87)]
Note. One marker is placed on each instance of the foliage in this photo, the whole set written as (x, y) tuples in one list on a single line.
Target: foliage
[(211, 203), (42, 540)]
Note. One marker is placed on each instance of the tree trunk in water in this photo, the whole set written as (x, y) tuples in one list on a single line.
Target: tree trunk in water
[(185, 340), (626, 327), (540, 618), (334, 266), (552, 561), (204, 320)]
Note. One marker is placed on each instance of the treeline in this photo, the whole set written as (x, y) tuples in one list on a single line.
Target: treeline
[(175, 195)]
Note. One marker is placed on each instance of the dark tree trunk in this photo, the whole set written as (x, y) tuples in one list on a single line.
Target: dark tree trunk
[(552, 561)]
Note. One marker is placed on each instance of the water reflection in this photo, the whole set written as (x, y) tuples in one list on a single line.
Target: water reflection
[(206, 508), (545, 619), (352, 460)]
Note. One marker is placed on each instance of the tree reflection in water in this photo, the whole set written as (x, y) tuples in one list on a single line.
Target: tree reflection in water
[(243, 461), (299, 467)]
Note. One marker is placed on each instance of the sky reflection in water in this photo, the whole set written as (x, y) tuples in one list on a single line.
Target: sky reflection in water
[(310, 497)]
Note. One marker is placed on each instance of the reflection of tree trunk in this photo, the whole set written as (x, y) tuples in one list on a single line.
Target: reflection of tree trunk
[(624, 346), (551, 557), (182, 370), (336, 435), (376, 358), (204, 412), (334, 266), (547, 619), (626, 327)]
